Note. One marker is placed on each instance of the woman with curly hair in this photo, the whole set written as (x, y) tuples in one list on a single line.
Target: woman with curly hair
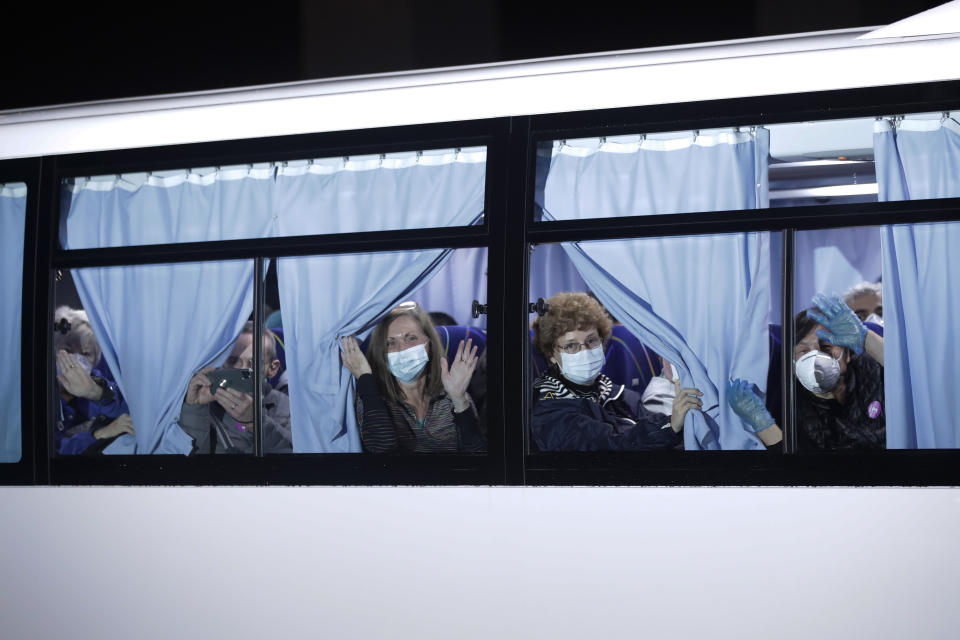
[(578, 408)]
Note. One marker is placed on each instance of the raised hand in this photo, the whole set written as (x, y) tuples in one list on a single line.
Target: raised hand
[(198, 390), (456, 377), (75, 379), (684, 400), (353, 358), (843, 327), (746, 404)]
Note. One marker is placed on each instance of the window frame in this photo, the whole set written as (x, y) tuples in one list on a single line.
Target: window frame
[(298, 468), (506, 232), (719, 468)]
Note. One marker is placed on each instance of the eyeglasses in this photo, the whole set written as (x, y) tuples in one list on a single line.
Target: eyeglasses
[(574, 347)]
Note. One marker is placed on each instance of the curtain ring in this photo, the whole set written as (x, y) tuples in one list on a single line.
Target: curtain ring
[(944, 116), (419, 155)]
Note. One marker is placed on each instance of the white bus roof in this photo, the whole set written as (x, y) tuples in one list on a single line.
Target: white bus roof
[(841, 59)]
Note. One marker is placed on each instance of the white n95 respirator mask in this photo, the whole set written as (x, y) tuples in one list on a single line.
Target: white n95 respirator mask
[(406, 365), (817, 371)]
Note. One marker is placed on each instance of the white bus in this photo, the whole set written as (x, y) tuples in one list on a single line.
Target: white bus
[(704, 195)]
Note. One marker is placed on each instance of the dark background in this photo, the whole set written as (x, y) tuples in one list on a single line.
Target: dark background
[(95, 51)]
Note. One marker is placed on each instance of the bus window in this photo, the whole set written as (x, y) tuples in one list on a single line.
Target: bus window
[(875, 354), (13, 206), (655, 344), (848, 161), (410, 190), (156, 359), (388, 361)]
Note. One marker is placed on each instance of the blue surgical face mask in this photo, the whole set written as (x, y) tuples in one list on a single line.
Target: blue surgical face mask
[(582, 367), (406, 365)]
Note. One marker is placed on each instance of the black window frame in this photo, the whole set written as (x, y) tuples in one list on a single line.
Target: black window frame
[(717, 468), (507, 230)]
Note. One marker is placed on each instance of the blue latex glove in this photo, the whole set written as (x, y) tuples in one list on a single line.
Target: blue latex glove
[(747, 405), (844, 328)]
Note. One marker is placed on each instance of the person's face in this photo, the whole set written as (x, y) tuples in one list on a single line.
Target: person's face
[(811, 342), (241, 357), (404, 333), (865, 304), (573, 341)]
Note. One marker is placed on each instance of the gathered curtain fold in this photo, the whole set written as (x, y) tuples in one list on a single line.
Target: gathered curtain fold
[(920, 159), (13, 207), (700, 302)]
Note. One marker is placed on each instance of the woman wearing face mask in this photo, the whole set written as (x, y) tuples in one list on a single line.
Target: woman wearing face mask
[(578, 408), (409, 398), (839, 370)]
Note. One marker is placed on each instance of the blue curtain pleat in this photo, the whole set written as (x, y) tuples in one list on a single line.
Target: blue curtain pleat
[(13, 206), (158, 324), (324, 298), (921, 278), (701, 302)]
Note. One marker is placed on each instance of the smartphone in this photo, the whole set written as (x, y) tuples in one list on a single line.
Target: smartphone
[(237, 379)]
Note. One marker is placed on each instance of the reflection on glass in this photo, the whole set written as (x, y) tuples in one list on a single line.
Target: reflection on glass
[(13, 206), (847, 161), (669, 350), (140, 355), (406, 190), (367, 375)]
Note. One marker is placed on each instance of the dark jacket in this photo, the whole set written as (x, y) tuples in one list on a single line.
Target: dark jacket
[(827, 424), (603, 416), (214, 431)]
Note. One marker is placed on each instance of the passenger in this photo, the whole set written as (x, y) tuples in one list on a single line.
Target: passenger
[(578, 408), (658, 398), (409, 399), (221, 421), (866, 300), (92, 412), (840, 390)]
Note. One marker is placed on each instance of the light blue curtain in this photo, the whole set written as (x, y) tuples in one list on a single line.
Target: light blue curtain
[(158, 324), (326, 297), (833, 260), (921, 281), (701, 302), (453, 288), (13, 207)]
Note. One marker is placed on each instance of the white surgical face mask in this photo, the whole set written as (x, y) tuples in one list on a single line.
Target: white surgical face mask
[(875, 319), (817, 371), (406, 365), (582, 367)]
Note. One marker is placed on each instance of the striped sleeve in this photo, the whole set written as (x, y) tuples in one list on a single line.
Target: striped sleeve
[(376, 427)]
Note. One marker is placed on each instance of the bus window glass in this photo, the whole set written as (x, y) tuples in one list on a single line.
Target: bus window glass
[(157, 359), (391, 359), (656, 344), (846, 161), (875, 353), (13, 207), (410, 190)]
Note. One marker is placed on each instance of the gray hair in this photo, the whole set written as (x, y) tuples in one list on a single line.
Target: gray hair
[(80, 337), (863, 288)]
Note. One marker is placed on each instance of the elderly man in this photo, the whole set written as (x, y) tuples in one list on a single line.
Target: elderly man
[(221, 420)]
